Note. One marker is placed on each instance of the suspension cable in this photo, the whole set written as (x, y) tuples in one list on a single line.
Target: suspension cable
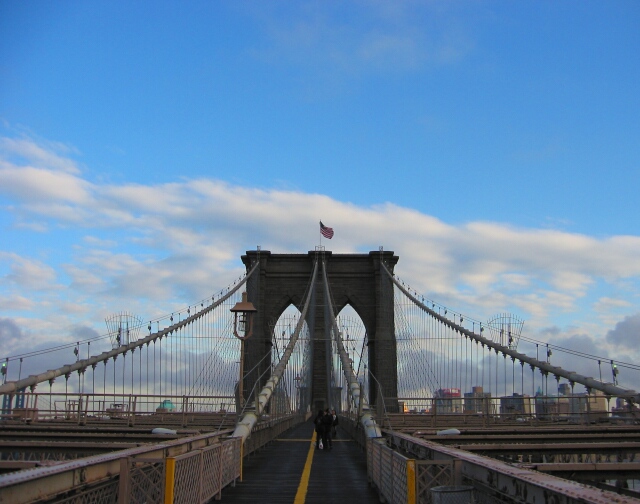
[(545, 367), (82, 364)]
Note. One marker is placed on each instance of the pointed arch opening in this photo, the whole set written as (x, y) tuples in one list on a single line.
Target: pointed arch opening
[(354, 338), (293, 391)]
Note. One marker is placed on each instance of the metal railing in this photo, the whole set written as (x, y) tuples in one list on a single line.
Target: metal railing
[(493, 480), (215, 412), (521, 410), (200, 475), (193, 469)]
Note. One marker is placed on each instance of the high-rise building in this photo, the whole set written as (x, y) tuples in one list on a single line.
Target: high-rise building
[(589, 407), (477, 401), (516, 405), (564, 389), (448, 400)]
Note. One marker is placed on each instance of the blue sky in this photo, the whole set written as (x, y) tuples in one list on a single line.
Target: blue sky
[(494, 146)]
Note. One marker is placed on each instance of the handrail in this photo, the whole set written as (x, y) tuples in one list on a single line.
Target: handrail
[(30, 485)]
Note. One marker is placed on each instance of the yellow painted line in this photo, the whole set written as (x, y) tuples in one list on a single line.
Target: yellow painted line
[(301, 494)]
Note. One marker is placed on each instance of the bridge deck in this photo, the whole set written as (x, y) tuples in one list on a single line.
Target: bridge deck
[(276, 473)]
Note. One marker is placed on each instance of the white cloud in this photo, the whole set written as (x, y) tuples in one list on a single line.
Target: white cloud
[(40, 184), (150, 247), (52, 155), (388, 38), (606, 304), (16, 303), (27, 273), (99, 242)]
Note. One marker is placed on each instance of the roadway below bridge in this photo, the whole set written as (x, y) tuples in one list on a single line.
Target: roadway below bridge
[(291, 470)]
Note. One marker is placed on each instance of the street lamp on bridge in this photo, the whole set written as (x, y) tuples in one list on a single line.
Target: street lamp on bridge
[(244, 324)]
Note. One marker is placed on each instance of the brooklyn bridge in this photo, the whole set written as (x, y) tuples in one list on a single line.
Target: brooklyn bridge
[(216, 401)]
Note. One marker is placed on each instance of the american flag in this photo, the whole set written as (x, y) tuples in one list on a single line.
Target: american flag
[(327, 232)]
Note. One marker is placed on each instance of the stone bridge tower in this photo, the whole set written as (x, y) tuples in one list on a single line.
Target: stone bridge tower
[(354, 279)]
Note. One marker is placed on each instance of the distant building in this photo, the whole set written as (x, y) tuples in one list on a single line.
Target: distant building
[(448, 400), (589, 407), (624, 409), (551, 408), (516, 406), (580, 407), (477, 401), (564, 389)]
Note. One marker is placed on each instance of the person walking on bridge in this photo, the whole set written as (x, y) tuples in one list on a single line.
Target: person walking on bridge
[(319, 429), (334, 424), (327, 424)]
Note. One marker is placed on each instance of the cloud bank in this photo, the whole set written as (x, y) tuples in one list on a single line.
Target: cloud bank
[(103, 247)]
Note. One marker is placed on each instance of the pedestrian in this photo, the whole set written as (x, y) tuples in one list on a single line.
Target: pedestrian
[(334, 424), (327, 421), (319, 429)]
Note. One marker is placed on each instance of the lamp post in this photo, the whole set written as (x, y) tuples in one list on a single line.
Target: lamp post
[(246, 311)]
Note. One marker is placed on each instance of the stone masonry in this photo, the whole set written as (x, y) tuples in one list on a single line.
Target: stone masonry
[(354, 279)]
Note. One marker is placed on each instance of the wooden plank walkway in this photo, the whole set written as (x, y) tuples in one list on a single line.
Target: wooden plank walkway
[(275, 474)]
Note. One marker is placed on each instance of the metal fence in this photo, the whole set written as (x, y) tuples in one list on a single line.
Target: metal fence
[(127, 409), (401, 479), (146, 480), (103, 493), (481, 410), (200, 475), (187, 470), (493, 480)]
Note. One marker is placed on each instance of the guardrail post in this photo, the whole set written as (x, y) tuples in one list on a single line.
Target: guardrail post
[(132, 418), (123, 482), (485, 411), (185, 405), (457, 471), (86, 410), (241, 460), (411, 481), (80, 409), (169, 479), (434, 417)]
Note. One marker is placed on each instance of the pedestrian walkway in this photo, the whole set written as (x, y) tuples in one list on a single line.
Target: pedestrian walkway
[(290, 470)]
